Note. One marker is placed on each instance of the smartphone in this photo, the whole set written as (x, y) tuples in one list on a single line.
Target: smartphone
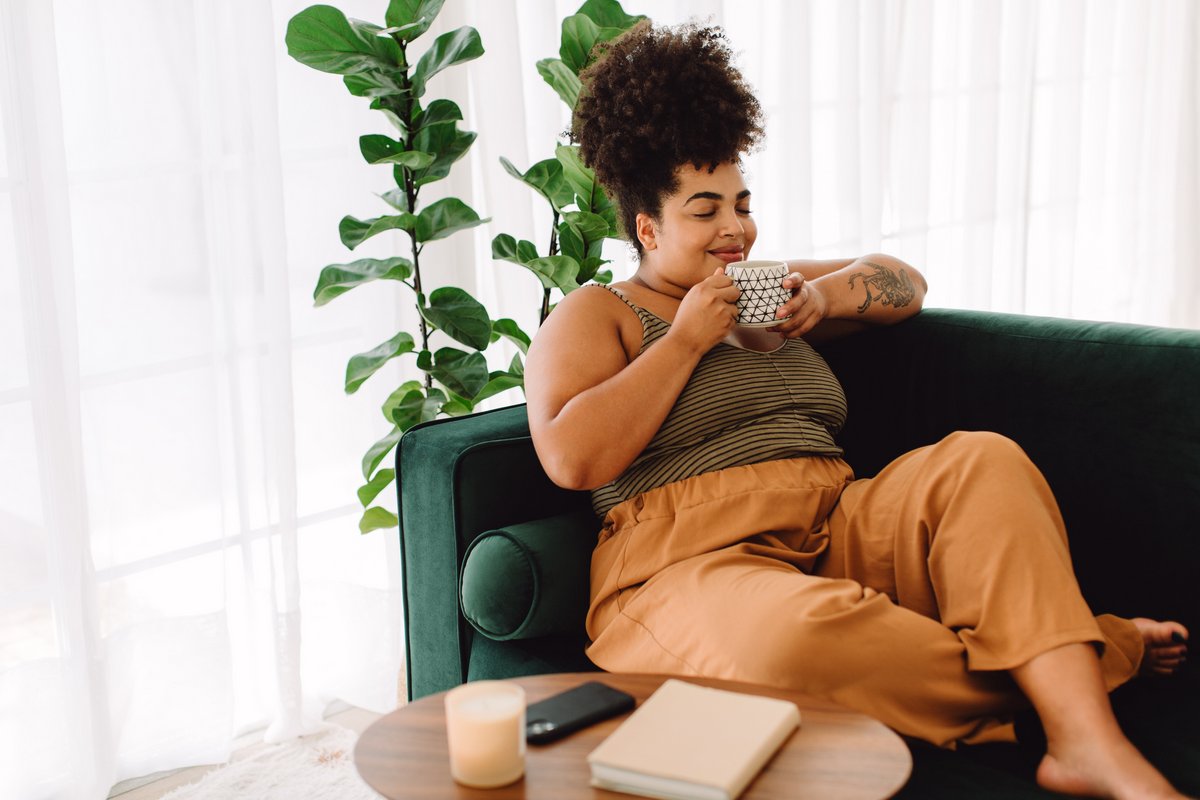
[(574, 709)]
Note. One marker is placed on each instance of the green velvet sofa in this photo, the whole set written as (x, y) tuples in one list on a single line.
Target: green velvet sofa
[(1109, 412)]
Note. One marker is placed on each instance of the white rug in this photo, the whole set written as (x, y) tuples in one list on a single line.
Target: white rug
[(316, 767)]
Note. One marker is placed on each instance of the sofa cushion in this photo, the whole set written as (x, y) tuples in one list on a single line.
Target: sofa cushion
[(529, 579)]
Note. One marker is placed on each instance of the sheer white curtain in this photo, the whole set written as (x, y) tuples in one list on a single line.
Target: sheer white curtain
[(179, 551), (1031, 156), (179, 556)]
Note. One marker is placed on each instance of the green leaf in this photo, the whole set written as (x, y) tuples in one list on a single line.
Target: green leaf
[(415, 407), (463, 373), (371, 489), (581, 235), (366, 27), (395, 29), (497, 383), (516, 367), (396, 198), (393, 401), (372, 83), (364, 365), (445, 217), (322, 38), (447, 50), (375, 518), (378, 105), (583, 182), (413, 17), (511, 331), (457, 406), (608, 210), (378, 450), (447, 143), (555, 272), (590, 227), (561, 79), (588, 270), (545, 177), (439, 112), (506, 248), (608, 14), (570, 243), (413, 159), (337, 279), (579, 34), (595, 248), (379, 149), (356, 231), (460, 316)]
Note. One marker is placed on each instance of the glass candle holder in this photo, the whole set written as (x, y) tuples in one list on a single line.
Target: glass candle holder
[(485, 730)]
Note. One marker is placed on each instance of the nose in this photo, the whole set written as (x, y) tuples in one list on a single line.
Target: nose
[(731, 225)]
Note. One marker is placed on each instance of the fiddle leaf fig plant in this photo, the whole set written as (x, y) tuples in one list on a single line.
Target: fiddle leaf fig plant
[(582, 216), (424, 141)]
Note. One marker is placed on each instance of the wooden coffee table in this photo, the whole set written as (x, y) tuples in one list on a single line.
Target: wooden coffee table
[(837, 754)]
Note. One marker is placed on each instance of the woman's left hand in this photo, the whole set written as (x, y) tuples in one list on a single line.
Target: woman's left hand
[(807, 307)]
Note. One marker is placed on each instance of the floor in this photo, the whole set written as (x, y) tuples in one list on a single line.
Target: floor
[(152, 787)]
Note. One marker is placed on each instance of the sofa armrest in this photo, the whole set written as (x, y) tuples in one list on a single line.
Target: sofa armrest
[(456, 478)]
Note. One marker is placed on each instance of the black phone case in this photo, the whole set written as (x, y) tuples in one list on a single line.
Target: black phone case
[(574, 709)]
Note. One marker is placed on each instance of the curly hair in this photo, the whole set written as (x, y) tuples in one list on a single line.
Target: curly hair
[(655, 100)]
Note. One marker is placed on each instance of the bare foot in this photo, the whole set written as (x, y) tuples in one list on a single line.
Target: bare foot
[(1108, 768), (1165, 653)]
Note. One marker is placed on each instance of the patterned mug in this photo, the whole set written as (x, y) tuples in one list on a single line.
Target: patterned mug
[(762, 291)]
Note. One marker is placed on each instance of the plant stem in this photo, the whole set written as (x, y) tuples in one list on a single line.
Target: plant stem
[(405, 112), (553, 251)]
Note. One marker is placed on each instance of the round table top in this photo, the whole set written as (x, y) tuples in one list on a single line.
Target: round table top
[(836, 754)]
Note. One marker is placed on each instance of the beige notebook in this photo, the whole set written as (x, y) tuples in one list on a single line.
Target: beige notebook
[(690, 742)]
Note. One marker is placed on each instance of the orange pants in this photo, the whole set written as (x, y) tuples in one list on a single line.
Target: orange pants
[(905, 596)]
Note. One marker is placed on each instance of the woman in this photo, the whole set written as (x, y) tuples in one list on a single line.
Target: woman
[(937, 596)]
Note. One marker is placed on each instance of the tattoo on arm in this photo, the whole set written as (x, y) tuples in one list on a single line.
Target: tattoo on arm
[(889, 288)]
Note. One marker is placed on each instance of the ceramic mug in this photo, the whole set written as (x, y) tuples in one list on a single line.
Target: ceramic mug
[(762, 291)]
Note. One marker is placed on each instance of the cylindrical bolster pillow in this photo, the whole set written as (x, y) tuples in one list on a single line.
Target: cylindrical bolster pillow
[(529, 579)]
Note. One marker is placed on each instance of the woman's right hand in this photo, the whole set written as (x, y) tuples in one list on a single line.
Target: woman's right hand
[(707, 313)]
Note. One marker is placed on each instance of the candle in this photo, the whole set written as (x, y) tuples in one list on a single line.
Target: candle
[(485, 728)]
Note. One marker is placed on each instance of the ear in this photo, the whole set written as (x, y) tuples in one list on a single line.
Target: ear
[(647, 231)]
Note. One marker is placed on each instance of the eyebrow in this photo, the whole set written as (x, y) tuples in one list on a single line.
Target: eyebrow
[(744, 193)]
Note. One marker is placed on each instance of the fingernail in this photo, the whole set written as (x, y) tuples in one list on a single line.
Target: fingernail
[(1177, 637)]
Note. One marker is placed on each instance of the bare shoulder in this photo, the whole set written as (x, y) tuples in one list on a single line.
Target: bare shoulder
[(592, 301), (580, 345), (591, 313)]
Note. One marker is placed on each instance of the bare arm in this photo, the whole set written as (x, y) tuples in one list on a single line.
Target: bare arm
[(591, 409), (836, 297)]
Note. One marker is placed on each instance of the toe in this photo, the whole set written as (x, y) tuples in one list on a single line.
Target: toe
[(1157, 634)]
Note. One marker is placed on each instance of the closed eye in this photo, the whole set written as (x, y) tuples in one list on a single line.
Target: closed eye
[(710, 214)]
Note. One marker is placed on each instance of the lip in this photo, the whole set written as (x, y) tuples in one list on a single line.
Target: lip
[(729, 254)]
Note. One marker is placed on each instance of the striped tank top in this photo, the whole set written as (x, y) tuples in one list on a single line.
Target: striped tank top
[(739, 407)]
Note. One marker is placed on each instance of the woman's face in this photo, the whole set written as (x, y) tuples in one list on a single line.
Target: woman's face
[(704, 224)]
